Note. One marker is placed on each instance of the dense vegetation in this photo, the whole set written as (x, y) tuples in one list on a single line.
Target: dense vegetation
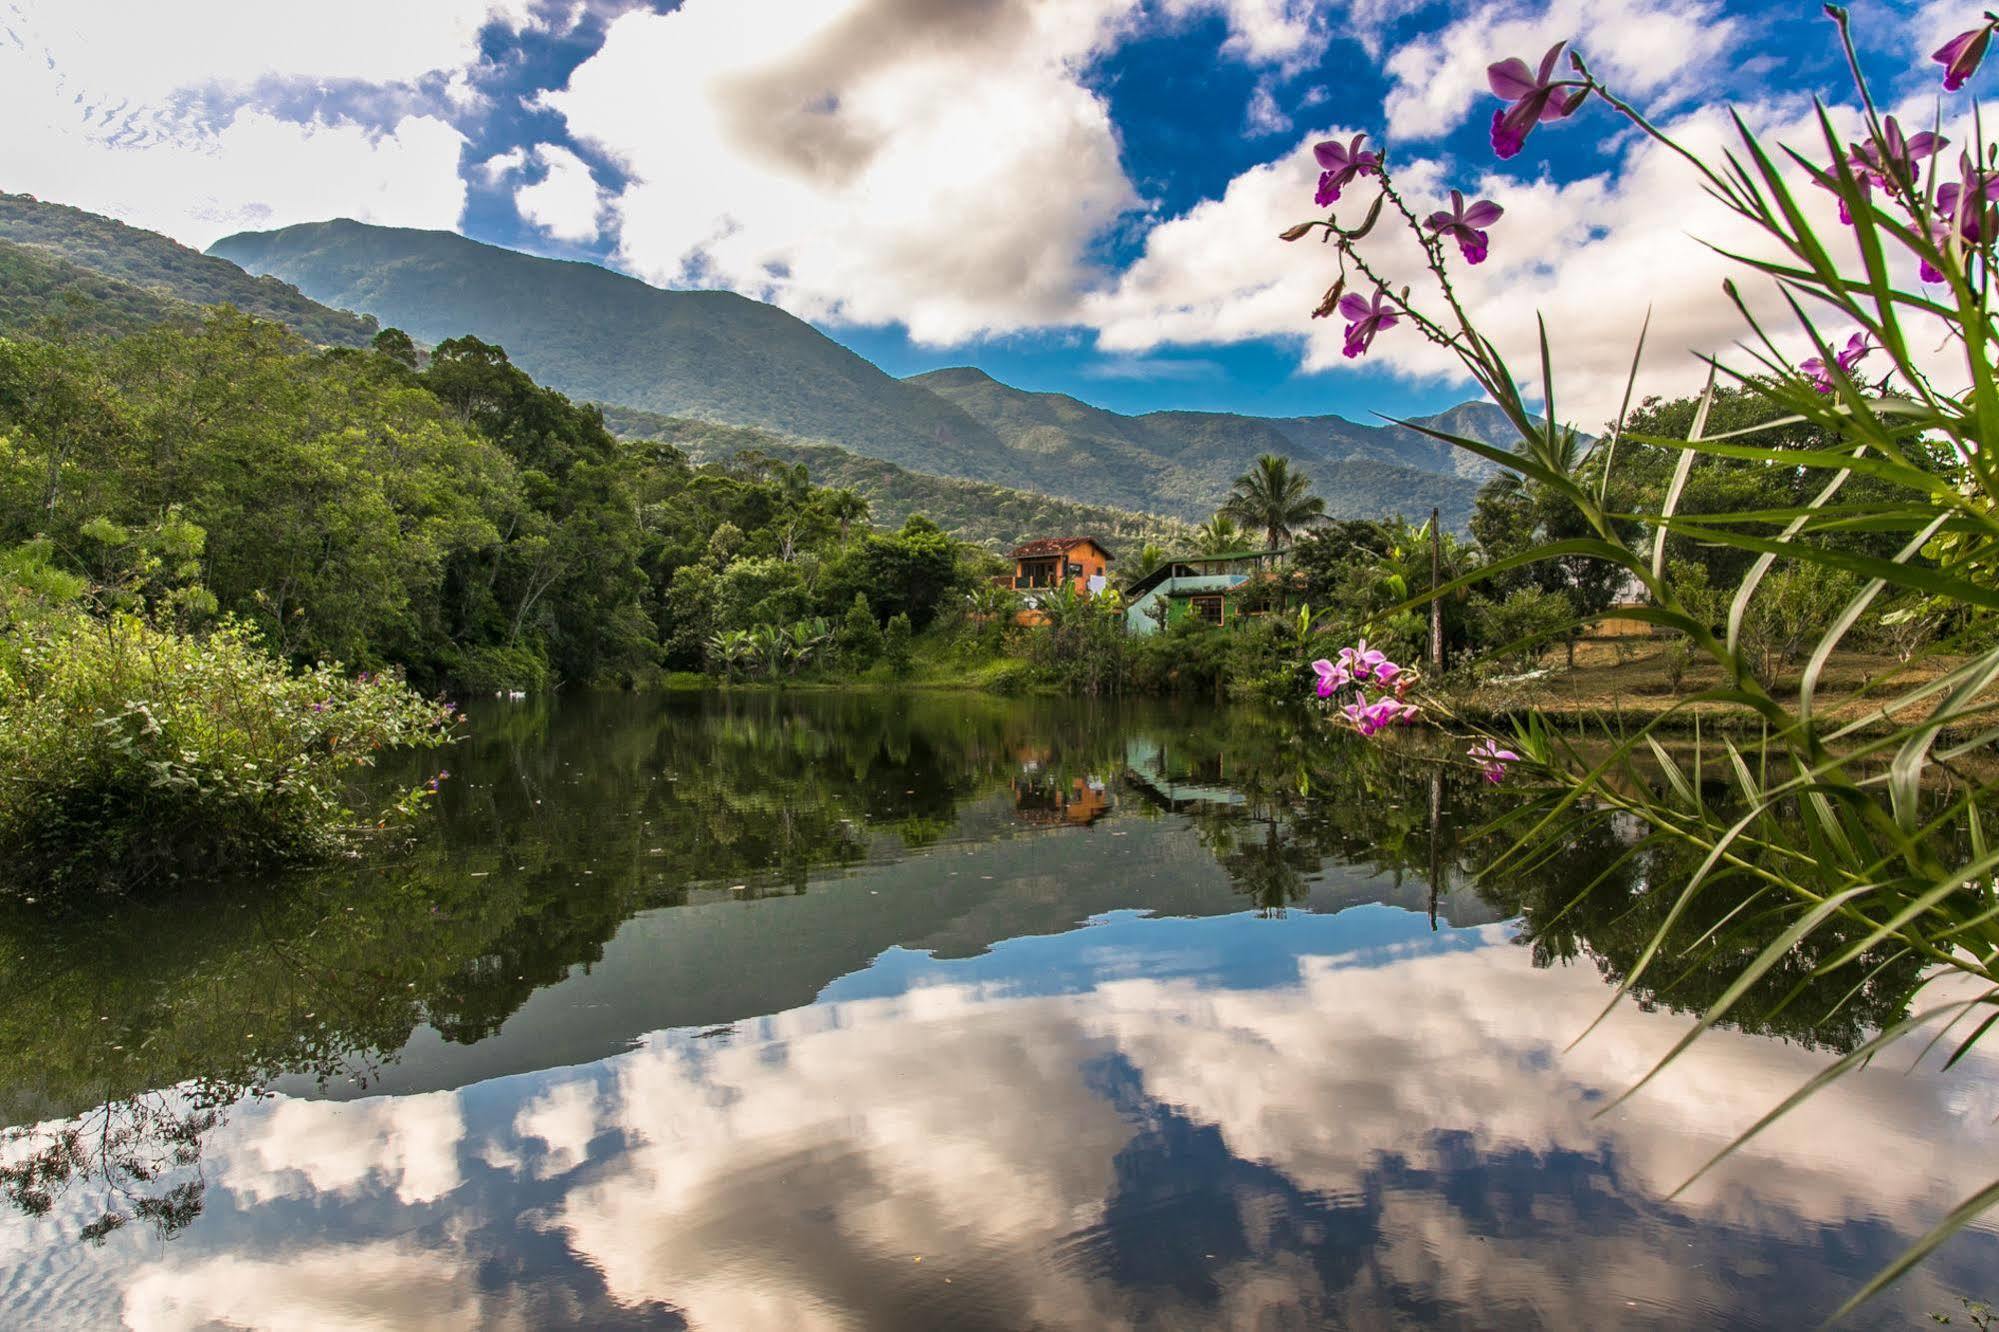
[(171, 270), (715, 356), (41, 292), (459, 521), (132, 749)]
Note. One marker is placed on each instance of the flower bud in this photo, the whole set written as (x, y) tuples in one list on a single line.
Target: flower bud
[(1296, 233)]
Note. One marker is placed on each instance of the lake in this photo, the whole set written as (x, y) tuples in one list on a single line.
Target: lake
[(865, 1011)]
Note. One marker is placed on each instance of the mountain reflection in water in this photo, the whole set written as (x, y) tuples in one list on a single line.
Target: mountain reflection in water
[(941, 1012)]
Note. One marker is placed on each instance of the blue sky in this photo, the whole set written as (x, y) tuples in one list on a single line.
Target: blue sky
[(1073, 195)]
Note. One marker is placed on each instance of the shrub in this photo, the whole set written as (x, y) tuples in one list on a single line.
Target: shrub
[(128, 751), (1516, 629), (896, 646), (860, 637)]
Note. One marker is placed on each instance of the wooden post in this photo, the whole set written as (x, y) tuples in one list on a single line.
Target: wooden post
[(1436, 603)]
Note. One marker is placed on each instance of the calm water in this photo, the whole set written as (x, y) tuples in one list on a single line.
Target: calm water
[(939, 1013)]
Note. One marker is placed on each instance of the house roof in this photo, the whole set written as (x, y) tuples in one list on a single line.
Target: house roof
[(1057, 546), (1165, 570)]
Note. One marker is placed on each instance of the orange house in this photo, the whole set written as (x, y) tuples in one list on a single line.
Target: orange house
[(1081, 562)]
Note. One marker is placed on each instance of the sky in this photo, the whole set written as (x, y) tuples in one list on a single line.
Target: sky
[(1079, 196)]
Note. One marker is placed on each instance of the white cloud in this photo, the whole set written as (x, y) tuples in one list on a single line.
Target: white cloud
[(1286, 32), (1591, 256), (871, 160), (566, 201), (158, 114), (1648, 49), (501, 165), (140, 51)]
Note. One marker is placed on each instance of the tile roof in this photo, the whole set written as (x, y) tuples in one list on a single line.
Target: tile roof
[(1055, 546)]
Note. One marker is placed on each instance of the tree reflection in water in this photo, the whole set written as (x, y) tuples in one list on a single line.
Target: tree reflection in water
[(128, 1030)]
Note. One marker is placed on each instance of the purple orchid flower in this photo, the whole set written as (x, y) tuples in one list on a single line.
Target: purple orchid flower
[(1960, 56), (1861, 166), (1372, 718), (1332, 678), (1492, 760), (1362, 659), (1366, 318), (1847, 359), (1466, 225), (1962, 200), (1534, 96), (1896, 156), (1339, 164)]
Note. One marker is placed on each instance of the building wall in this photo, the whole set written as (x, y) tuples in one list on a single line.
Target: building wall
[(1138, 616), (1094, 560)]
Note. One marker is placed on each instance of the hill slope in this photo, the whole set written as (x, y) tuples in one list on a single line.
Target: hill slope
[(170, 270), (599, 335), (41, 292), (1182, 463), (719, 357), (997, 517)]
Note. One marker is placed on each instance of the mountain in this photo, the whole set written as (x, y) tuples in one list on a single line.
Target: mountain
[(166, 269), (601, 336), (42, 292), (1182, 463), (996, 517), (719, 357)]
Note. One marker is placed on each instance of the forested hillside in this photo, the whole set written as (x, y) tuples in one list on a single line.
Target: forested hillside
[(719, 357), (997, 517), (171, 270), (42, 292), (598, 335)]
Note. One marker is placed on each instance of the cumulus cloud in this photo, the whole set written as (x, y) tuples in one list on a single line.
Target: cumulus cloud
[(871, 160), (1591, 255), (139, 52), (566, 201)]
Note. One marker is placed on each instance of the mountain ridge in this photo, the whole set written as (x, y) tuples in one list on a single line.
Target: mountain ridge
[(724, 358), (135, 257)]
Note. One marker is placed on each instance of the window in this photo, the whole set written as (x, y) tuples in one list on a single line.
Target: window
[(1209, 609)]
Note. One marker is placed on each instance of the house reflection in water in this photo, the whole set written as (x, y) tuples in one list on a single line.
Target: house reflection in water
[(1050, 800)]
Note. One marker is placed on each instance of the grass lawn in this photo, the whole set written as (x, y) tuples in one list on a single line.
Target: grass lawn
[(1627, 678)]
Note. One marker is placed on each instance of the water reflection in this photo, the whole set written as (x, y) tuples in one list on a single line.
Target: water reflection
[(838, 1012)]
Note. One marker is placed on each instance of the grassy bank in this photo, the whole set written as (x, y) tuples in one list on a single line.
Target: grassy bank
[(1631, 680)]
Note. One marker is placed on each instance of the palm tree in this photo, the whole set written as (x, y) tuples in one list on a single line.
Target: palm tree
[(1218, 536), (845, 507), (1275, 500)]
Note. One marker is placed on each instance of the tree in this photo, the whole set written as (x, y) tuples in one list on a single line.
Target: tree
[(845, 507), (911, 571), (897, 650), (398, 346), (860, 638), (1272, 499), (1220, 535)]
